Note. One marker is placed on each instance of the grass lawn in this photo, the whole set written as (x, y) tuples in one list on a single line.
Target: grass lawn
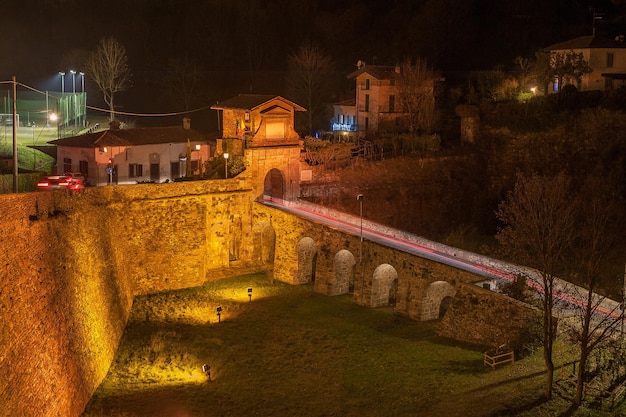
[(293, 352)]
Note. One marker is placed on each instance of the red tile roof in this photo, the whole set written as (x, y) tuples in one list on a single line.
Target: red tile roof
[(587, 42), (132, 137), (251, 102), (379, 72)]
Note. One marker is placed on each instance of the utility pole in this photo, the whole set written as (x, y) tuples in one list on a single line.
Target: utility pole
[(360, 200), (623, 303), (15, 161)]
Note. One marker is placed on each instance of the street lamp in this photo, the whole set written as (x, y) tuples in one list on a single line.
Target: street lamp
[(62, 74), (82, 81), (73, 81), (226, 164), (360, 200)]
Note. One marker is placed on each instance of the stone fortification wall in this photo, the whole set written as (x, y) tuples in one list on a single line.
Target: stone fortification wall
[(71, 265), (63, 304), (490, 319), (414, 274), (176, 234)]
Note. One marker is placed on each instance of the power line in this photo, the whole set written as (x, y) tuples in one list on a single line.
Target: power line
[(116, 111)]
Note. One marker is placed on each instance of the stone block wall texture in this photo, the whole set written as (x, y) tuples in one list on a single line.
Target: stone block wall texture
[(71, 265), (415, 274), (485, 318)]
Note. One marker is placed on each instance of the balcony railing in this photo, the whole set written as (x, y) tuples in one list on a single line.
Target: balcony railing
[(343, 127)]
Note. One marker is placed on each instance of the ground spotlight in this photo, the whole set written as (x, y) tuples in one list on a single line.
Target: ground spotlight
[(206, 369)]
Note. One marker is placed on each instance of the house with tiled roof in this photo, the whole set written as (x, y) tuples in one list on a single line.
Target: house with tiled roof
[(606, 56), (129, 156), (255, 120), (376, 102), (343, 124)]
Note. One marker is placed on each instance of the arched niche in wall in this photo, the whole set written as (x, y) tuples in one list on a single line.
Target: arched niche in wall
[(436, 293), (307, 257), (384, 280), (274, 184), (344, 263), (264, 243)]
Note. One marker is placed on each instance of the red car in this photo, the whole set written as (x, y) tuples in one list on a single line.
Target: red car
[(69, 181)]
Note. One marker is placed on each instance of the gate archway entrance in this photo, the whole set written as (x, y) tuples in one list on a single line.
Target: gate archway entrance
[(274, 184)]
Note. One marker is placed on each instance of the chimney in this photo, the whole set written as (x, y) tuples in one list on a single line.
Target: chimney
[(186, 123)]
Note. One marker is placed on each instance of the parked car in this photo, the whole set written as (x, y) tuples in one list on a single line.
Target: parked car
[(69, 181)]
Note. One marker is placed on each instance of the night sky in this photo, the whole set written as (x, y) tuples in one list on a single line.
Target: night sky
[(241, 46)]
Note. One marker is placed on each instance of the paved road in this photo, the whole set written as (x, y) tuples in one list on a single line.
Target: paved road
[(570, 298)]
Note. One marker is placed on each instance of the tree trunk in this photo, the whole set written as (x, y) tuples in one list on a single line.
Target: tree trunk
[(112, 108), (580, 376), (547, 350)]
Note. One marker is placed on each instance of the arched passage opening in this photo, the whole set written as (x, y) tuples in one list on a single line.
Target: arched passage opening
[(307, 256), (437, 294), (274, 184), (344, 263), (264, 243), (382, 285)]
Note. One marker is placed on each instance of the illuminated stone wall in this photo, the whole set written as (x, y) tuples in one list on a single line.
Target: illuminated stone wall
[(63, 304), (72, 264), (482, 317), (415, 275)]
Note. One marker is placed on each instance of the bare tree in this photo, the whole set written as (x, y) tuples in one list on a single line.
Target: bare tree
[(308, 80), (568, 66), (181, 81), (538, 218), (108, 67), (597, 236), (417, 82)]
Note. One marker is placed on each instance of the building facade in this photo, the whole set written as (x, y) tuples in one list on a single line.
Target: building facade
[(606, 57), (129, 156)]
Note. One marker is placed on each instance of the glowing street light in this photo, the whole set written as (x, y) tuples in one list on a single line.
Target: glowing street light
[(73, 81), (226, 164), (62, 74), (82, 81)]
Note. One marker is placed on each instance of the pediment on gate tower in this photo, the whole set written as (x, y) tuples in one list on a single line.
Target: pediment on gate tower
[(276, 126)]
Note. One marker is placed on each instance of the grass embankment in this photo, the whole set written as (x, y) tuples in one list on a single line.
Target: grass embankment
[(293, 352)]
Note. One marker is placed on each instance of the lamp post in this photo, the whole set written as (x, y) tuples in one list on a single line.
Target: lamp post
[(62, 74), (360, 200), (73, 81), (226, 164), (198, 159), (82, 81)]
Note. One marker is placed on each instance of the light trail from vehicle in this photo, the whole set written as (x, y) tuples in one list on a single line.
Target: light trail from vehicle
[(480, 265)]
